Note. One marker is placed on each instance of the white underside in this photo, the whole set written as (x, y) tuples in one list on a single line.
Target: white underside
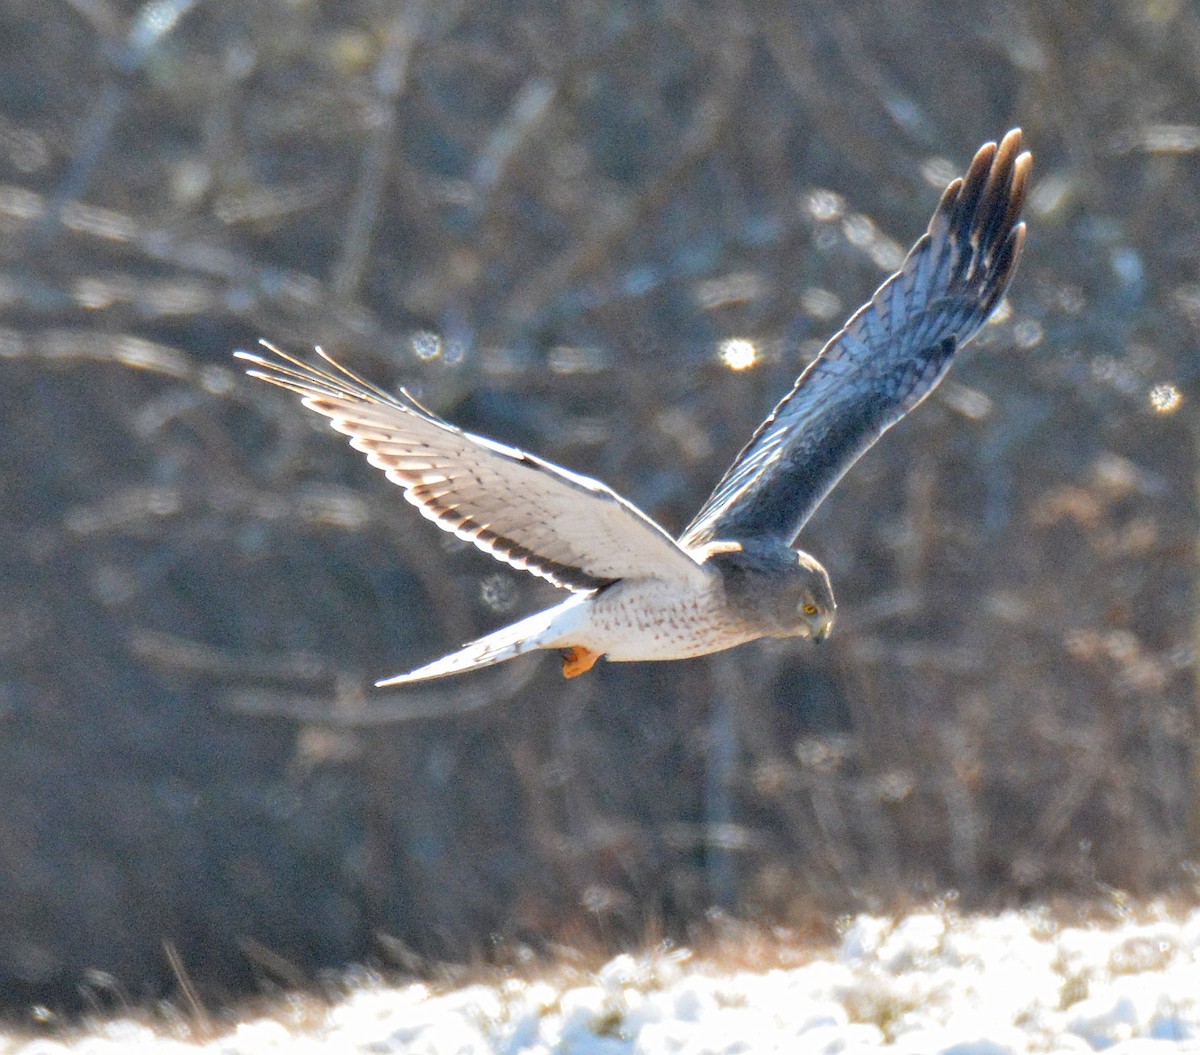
[(638, 619), (650, 619)]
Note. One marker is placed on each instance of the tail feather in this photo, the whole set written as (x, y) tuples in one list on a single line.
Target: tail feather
[(503, 644)]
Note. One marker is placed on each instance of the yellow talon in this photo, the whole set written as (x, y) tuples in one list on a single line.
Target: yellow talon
[(578, 660)]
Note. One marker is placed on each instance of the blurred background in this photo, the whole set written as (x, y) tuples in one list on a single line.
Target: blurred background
[(613, 233)]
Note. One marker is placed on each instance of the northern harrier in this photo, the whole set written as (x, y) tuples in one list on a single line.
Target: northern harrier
[(732, 576)]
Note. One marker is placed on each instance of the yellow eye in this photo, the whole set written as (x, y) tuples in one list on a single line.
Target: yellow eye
[(810, 609)]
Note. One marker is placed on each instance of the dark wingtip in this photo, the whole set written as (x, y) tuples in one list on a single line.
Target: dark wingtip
[(981, 219), (1018, 189), (1004, 266), (999, 173), (973, 184), (1003, 191)]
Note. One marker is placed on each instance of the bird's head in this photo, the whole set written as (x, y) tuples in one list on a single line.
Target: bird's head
[(784, 592), (814, 597)]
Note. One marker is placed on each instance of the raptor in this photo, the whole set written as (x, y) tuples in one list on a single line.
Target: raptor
[(733, 575)]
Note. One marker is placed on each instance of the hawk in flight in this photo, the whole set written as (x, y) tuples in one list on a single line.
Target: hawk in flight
[(732, 576)]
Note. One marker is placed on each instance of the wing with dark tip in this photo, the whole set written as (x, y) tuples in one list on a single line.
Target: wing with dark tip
[(887, 358), (566, 528)]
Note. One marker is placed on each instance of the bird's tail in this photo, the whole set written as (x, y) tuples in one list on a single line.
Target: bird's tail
[(537, 631)]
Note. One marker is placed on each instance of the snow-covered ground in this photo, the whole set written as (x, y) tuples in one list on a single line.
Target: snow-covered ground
[(927, 983)]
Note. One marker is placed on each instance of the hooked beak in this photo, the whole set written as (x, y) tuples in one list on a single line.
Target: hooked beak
[(821, 632)]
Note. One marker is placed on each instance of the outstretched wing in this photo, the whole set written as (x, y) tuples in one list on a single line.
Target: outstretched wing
[(886, 359), (566, 528)]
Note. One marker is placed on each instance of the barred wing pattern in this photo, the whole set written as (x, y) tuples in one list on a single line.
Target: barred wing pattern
[(887, 358), (568, 529)]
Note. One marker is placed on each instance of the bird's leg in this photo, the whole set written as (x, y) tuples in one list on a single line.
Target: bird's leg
[(578, 660)]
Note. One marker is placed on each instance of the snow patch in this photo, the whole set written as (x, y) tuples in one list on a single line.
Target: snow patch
[(931, 983)]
